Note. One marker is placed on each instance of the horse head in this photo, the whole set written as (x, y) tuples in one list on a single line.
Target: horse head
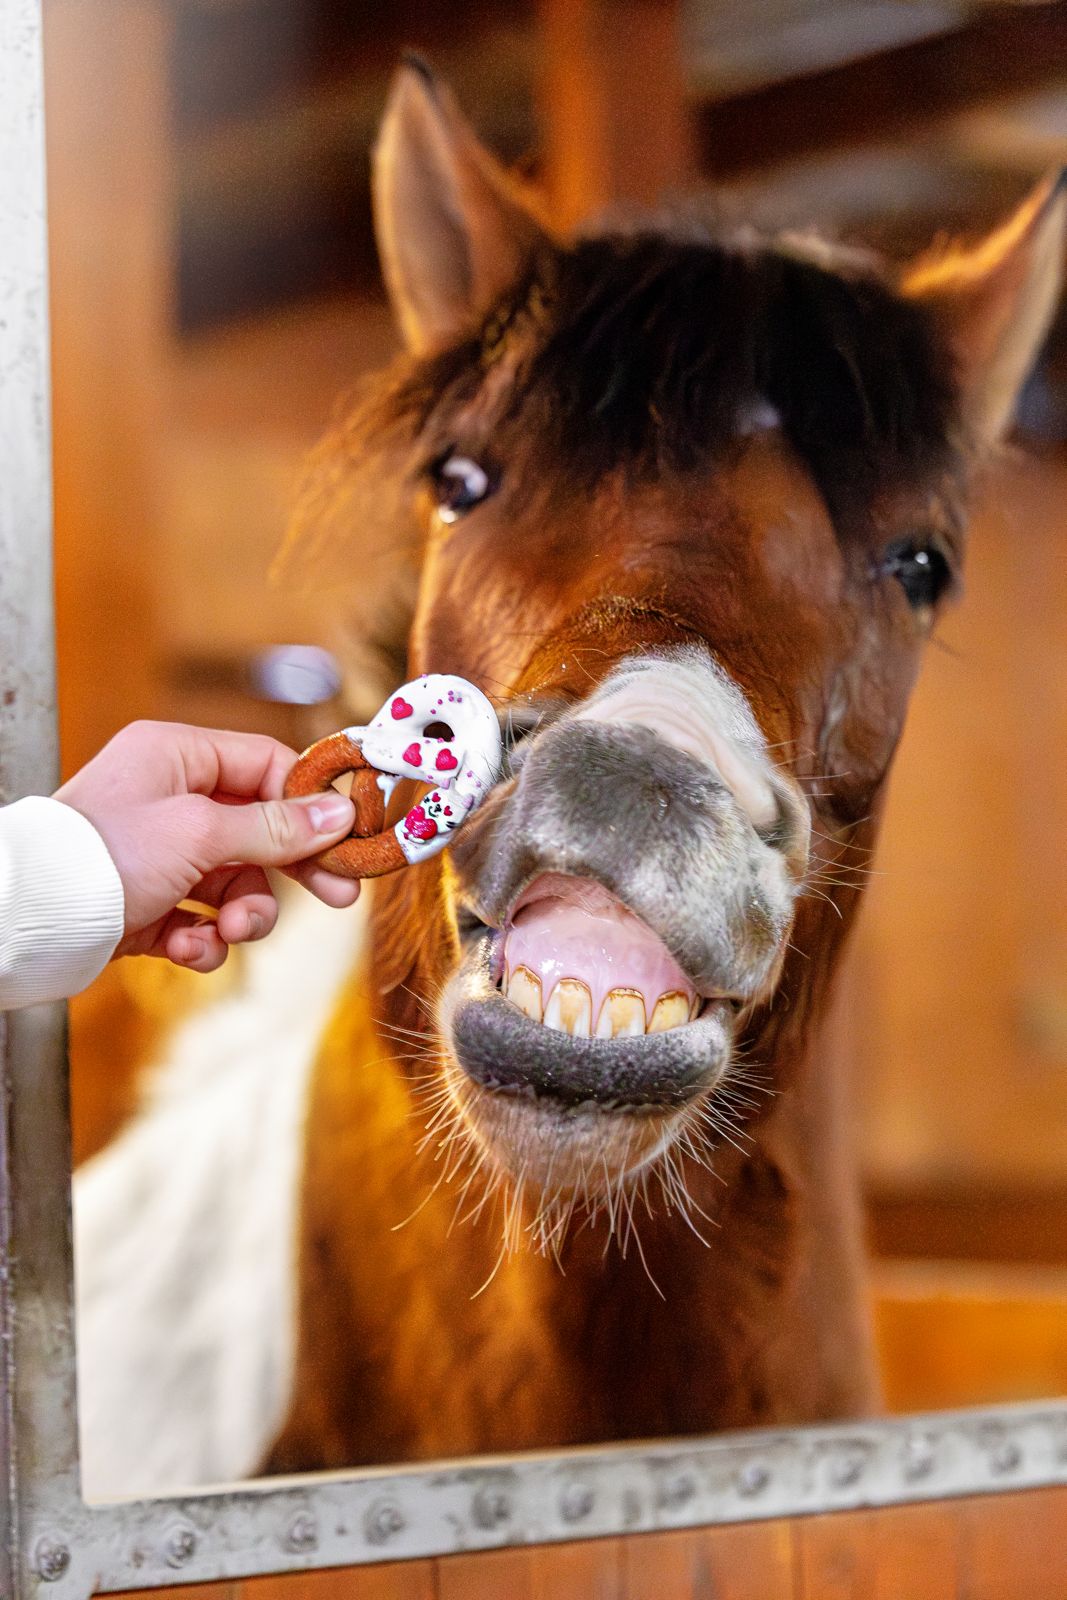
[(687, 507)]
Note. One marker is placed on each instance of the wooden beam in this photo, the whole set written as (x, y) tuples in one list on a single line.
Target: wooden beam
[(617, 125), (108, 153)]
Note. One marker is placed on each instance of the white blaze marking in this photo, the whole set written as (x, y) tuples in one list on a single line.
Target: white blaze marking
[(695, 706)]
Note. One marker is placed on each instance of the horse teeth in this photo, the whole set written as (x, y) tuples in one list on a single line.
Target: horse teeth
[(622, 1015), (670, 1011), (570, 1009), (524, 991)]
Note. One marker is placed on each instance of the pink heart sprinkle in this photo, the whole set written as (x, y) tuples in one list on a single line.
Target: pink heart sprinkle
[(400, 709), (413, 755), (446, 761)]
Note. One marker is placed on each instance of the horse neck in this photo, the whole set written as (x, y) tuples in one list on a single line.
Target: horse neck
[(778, 1268)]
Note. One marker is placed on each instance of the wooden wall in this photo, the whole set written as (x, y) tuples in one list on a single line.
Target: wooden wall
[(959, 993), (991, 1547)]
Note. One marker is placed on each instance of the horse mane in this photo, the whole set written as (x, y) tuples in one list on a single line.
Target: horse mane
[(645, 352)]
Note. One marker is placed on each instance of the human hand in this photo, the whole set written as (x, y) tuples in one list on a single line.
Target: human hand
[(197, 812)]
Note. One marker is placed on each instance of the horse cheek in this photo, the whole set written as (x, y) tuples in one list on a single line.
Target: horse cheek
[(861, 728), (404, 901)]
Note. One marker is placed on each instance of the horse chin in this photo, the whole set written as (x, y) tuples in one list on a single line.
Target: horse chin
[(563, 1153)]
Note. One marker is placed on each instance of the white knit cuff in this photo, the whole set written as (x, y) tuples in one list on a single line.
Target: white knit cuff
[(63, 900)]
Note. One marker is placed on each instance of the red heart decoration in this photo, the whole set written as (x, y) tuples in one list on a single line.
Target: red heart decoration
[(400, 709), (446, 761), (418, 825), (413, 755)]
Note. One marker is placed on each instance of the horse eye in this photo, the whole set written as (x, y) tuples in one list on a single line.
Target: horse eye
[(921, 570), (459, 484)]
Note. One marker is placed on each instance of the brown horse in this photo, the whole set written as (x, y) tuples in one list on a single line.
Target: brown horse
[(687, 508)]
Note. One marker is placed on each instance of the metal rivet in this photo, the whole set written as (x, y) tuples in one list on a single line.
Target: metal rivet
[(677, 1491), (576, 1502), (1006, 1457), (179, 1544), (753, 1478), (632, 1508), (302, 1534), (383, 1520), (491, 1506), (847, 1469), (51, 1558), (919, 1455)]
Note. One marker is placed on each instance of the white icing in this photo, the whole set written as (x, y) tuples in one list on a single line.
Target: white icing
[(386, 783), (396, 743)]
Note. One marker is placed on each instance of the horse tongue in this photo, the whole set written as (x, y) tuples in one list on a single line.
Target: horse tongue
[(572, 928)]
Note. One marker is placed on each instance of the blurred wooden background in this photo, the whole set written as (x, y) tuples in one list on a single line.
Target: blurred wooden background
[(215, 291)]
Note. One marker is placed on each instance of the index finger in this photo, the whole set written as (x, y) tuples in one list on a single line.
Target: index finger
[(247, 766)]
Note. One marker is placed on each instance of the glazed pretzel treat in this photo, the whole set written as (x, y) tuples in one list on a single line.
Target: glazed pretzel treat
[(437, 729)]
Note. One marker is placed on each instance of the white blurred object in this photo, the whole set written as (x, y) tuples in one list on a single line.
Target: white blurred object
[(295, 674)]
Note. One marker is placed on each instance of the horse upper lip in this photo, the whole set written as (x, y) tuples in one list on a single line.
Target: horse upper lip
[(588, 966), (620, 809)]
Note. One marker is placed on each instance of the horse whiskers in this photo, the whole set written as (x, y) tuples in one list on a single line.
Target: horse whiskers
[(822, 867), (496, 1268), (840, 845), (541, 1217), (816, 894), (844, 877), (396, 1030)]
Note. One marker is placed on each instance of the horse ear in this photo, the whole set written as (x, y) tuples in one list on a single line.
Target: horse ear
[(453, 228), (995, 302)]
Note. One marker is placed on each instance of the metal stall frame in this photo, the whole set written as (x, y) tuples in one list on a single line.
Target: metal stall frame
[(53, 1542)]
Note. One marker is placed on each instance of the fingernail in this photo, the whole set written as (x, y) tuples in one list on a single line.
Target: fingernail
[(255, 926), (194, 949), (329, 812)]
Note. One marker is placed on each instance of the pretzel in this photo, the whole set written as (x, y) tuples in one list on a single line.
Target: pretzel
[(437, 729)]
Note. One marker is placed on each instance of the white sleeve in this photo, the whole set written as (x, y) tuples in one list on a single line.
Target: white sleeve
[(61, 902)]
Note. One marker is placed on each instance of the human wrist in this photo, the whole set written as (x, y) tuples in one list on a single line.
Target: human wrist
[(72, 889)]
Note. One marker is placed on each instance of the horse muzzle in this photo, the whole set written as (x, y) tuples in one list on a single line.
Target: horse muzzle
[(624, 898)]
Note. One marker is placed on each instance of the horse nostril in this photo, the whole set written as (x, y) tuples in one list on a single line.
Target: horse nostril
[(780, 831), (789, 830), (519, 720), (691, 705)]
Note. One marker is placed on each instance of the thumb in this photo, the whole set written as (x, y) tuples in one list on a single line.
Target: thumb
[(275, 833)]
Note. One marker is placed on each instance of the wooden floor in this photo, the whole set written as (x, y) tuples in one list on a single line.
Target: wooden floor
[(1003, 1547)]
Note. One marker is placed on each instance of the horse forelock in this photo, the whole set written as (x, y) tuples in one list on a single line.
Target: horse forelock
[(647, 353)]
